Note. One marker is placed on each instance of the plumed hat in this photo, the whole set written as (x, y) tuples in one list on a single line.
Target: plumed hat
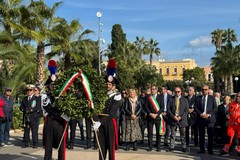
[(52, 67), (111, 71)]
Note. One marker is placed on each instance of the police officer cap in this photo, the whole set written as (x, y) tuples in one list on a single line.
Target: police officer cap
[(30, 86)]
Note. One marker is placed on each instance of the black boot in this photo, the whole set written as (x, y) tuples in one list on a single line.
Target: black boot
[(127, 147), (135, 146)]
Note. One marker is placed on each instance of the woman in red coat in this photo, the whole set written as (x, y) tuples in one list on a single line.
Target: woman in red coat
[(1, 111)]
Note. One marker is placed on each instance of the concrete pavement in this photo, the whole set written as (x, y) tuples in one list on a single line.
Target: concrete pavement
[(16, 152)]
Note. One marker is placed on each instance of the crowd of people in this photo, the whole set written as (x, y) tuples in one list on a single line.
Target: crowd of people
[(126, 117)]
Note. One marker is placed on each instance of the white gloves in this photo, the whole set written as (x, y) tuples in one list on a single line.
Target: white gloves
[(65, 117), (117, 97), (96, 125)]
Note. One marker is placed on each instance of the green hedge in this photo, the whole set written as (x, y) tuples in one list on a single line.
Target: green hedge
[(17, 118)]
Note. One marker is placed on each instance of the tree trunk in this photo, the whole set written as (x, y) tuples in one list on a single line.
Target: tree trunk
[(230, 83), (151, 59), (67, 61), (40, 63), (225, 85)]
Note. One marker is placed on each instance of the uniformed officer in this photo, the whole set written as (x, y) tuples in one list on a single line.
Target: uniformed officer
[(54, 135), (108, 131), (30, 107)]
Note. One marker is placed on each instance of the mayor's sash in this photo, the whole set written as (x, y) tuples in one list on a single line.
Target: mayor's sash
[(156, 107)]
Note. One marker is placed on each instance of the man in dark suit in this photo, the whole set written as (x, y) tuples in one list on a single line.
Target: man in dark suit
[(153, 111), (30, 106), (164, 99), (192, 115), (178, 110), (206, 108), (222, 118)]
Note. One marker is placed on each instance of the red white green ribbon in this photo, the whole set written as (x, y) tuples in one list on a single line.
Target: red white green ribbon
[(86, 88), (85, 84), (156, 107), (67, 84)]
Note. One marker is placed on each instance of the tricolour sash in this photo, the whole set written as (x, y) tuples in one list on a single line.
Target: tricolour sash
[(156, 107)]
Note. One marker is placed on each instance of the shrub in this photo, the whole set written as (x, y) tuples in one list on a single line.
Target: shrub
[(17, 118)]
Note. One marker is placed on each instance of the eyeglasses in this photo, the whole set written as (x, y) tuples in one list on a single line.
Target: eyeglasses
[(177, 91), (153, 89)]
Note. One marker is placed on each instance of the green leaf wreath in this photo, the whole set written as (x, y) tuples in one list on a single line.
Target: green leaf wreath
[(74, 103)]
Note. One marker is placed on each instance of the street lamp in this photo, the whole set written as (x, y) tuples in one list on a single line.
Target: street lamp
[(236, 81), (99, 15), (187, 83)]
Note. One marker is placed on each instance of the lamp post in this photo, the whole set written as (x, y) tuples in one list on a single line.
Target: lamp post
[(99, 15), (187, 83), (236, 81)]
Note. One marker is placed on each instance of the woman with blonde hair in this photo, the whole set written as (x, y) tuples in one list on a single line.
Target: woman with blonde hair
[(133, 109)]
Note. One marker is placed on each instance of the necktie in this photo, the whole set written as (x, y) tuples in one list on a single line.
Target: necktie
[(203, 103), (165, 102), (177, 106)]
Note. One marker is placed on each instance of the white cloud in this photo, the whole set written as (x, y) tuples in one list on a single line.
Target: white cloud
[(202, 41)]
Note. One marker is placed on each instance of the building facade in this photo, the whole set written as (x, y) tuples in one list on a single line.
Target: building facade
[(173, 70)]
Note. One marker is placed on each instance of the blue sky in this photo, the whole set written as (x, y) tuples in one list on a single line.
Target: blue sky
[(182, 27)]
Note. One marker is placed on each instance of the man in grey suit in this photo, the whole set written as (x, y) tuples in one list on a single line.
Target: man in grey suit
[(178, 110), (206, 109)]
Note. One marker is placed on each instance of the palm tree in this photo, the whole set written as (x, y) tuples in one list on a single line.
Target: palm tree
[(73, 48), (19, 63), (225, 63), (41, 18), (151, 48), (218, 38), (230, 36)]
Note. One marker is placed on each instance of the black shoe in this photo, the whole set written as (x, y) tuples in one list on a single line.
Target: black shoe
[(158, 150), (169, 150), (184, 149), (201, 151), (223, 153), (94, 148), (83, 139), (210, 152), (87, 147), (35, 147), (135, 149), (127, 149), (26, 145), (142, 142), (166, 144), (149, 149)]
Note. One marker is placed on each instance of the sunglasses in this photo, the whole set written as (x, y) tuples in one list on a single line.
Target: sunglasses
[(177, 91), (29, 90), (153, 89), (8, 90), (204, 89), (36, 90)]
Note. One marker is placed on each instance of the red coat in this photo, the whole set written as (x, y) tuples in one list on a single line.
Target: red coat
[(1, 106), (234, 114)]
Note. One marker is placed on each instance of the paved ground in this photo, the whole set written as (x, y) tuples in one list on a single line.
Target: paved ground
[(16, 152)]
